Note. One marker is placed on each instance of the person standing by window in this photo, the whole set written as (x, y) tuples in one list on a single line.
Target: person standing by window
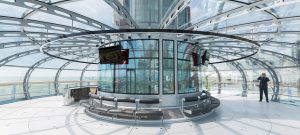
[(263, 86)]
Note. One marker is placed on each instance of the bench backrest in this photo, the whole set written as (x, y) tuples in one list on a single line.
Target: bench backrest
[(149, 101), (129, 100), (108, 98), (191, 99)]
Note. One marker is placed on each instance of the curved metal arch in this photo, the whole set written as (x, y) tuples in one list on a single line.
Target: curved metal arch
[(117, 6), (25, 34), (44, 47), (280, 55), (274, 78), (61, 68), (266, 11), (28, 73), (26, 15), (33, 67), (277, 54), (41, 35), (58, 11), (265, 43), (14, 21), (17, 44), (249, 24), (35, 43), (238, 67), (257, 33), (224, 14), (18, 55), (83, 71), (270, 70), (29, 52), (219, 77)]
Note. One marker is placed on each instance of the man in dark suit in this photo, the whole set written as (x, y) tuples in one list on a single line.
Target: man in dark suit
[(263, 86)]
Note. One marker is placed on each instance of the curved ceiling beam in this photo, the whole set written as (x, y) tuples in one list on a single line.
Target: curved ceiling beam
[(173, 12), (265, 43), (118, 7), (26, 34), (229, 15), (238, 67), (46, 36), (268, 11), (270, 22), (14, 21), (31, 43), (277, 54), (35, 51), (31, 12), (283, 56), (18, 55), (17, 44), (34, 66), (57, 11), (247, 34)]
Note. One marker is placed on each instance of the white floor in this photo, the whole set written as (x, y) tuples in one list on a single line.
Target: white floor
[(236, 115)]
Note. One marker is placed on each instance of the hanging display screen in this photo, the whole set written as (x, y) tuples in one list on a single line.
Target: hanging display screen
[(113, 55)]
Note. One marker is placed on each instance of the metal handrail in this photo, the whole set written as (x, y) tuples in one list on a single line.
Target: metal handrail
[(44, 82)]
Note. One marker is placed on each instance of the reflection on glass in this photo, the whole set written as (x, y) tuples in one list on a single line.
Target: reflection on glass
[(189, 76), (140, 76), (168, 67)]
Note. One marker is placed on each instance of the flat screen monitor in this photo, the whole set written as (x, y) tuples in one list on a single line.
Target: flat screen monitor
[(113, 55)]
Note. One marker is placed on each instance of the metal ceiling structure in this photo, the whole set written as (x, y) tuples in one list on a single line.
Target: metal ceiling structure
[(27, 24)]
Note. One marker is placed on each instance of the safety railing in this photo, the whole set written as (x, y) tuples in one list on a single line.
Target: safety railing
[(13, 91)]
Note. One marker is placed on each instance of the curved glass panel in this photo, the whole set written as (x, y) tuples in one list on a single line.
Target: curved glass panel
[(6, 52), (11, 83), (204, 9), (92, 9), (41, 82), (69, 79), (139, 76), (288, 10), (54, 63), (28, 60), (189, 76), (90, 78), (6, 10), (76, 65)]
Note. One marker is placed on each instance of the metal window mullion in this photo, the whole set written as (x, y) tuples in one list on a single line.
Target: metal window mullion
[(160, 70), (175, 69)]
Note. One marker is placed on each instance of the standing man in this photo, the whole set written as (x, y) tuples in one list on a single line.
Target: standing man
[(263, 86)]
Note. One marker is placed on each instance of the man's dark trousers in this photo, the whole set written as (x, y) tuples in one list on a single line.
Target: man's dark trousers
[(265, 90)]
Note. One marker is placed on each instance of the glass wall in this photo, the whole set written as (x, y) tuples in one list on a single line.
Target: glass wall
[(41, 82), (168, 67), (189, 76), (139, 76), (11, 83)]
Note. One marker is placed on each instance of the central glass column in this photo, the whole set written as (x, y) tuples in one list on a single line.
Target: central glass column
[(163, 68)]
